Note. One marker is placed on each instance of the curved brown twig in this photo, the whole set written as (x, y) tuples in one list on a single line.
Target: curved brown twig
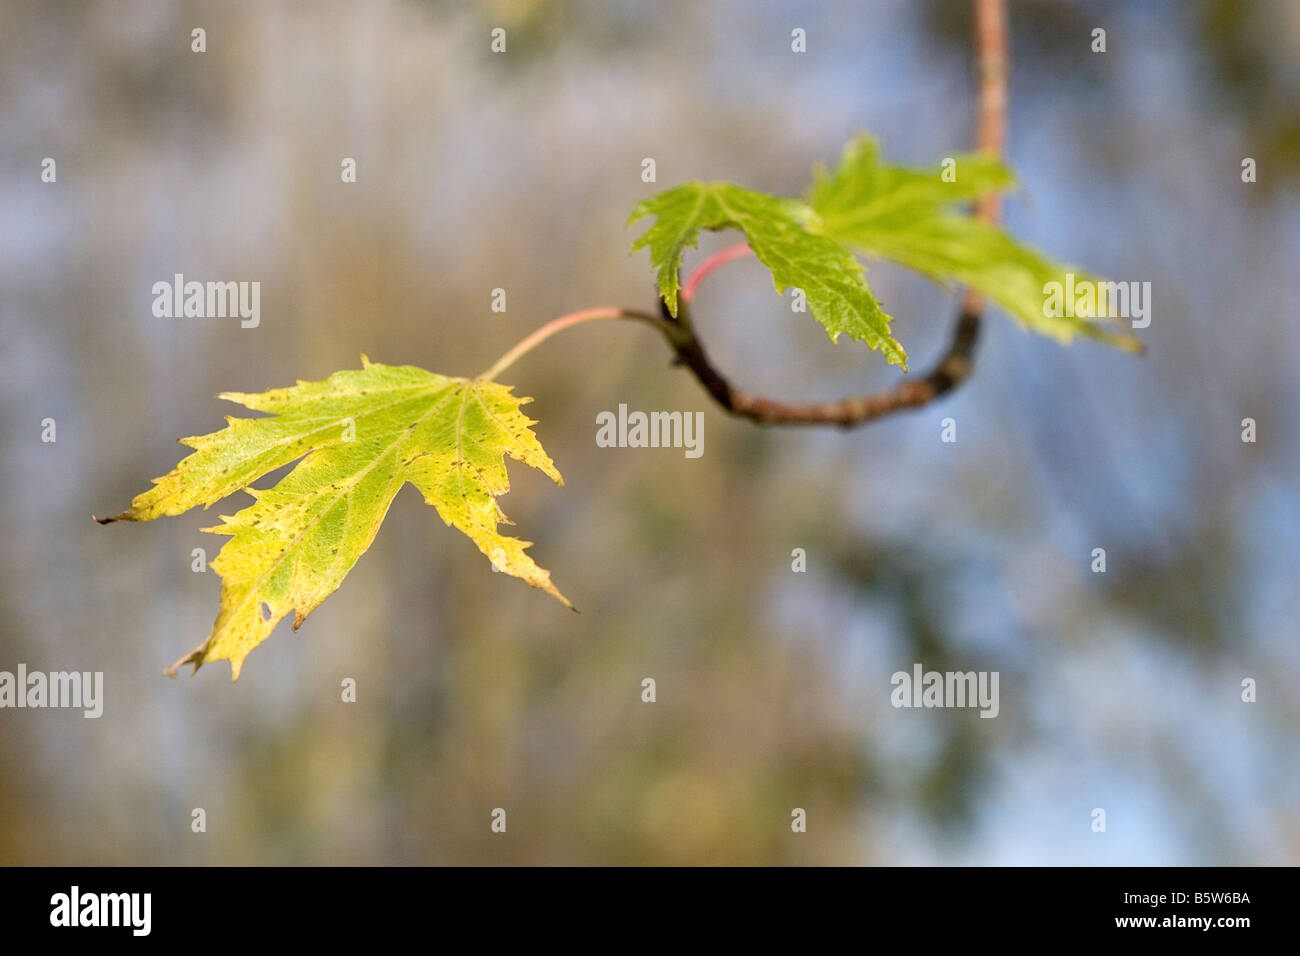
[(948, 372)]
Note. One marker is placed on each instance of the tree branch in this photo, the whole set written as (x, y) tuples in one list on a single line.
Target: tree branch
[(954, 366), (949, 371)]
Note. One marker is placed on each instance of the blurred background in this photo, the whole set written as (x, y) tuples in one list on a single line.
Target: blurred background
[(1119, 691)]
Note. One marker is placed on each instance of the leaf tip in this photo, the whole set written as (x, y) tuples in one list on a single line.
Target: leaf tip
[(1133, 344)]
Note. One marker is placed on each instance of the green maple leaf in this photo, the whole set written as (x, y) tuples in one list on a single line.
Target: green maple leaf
[(905, 215), (889, 212), (827, 272), (361, 435)]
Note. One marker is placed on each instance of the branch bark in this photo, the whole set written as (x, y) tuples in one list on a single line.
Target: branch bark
[(946, 374), (955, 365)]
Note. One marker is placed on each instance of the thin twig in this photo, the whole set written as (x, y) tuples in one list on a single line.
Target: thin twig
[(575, 318), (729, 254)]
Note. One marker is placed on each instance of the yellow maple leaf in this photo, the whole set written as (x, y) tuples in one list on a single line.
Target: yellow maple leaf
[(360, 435)]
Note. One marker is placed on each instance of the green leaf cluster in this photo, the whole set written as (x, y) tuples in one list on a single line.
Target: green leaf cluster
[(887, 212)]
